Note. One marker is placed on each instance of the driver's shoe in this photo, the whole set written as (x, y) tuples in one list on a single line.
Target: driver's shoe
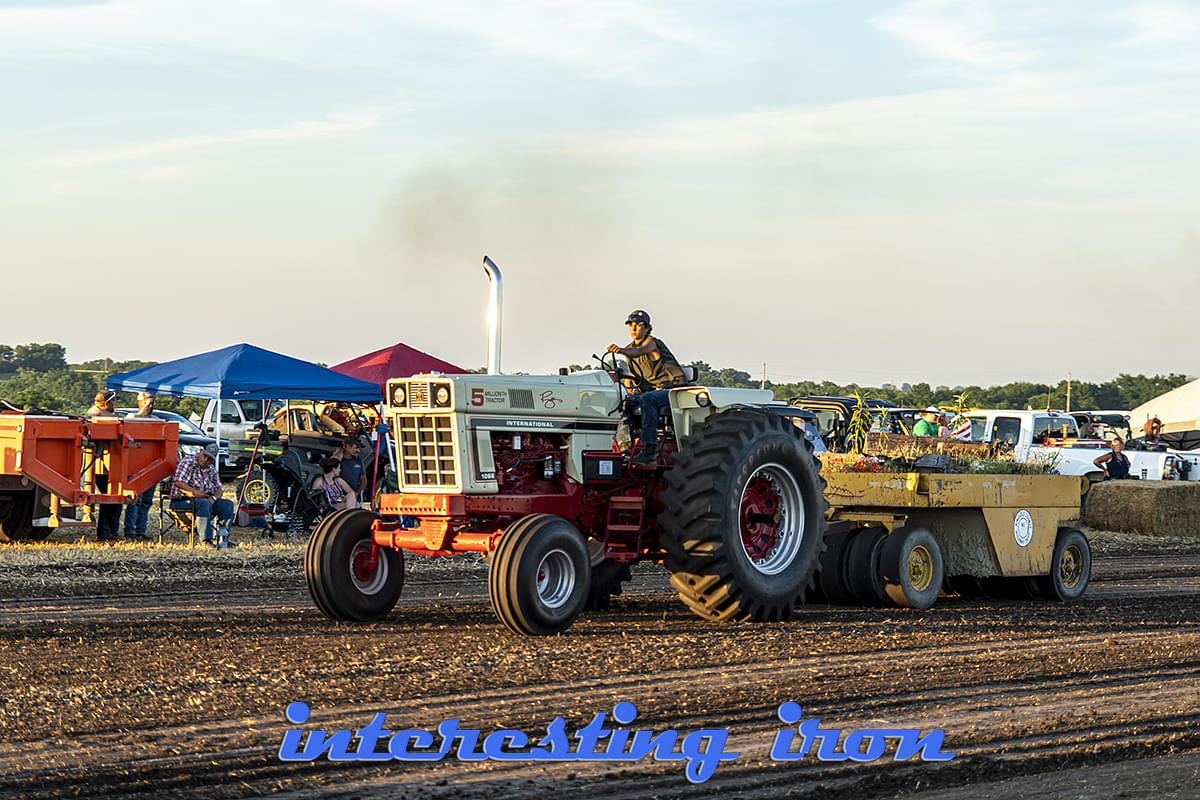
[(645, 458)]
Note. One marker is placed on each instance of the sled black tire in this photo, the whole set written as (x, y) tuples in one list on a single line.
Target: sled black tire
[(607, 577), (833, 581), (539, 575), (862, 567), (744, 517), (337, 573), (1070, 567), (912, 568)]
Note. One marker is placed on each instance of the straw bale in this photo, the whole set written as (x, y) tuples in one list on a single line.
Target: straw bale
[(1159, 508)]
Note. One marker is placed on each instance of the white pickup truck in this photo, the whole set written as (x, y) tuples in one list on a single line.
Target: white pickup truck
[(1043, 435)]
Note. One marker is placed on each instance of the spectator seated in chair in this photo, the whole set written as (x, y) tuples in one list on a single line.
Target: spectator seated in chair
[(337, 493), (197, 488)]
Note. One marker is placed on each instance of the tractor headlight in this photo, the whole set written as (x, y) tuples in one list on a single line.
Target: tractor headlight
[(399, 395), (703, 400), (441, 395)]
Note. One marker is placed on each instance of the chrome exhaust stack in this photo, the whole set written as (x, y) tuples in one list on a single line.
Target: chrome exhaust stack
[(494, 298)]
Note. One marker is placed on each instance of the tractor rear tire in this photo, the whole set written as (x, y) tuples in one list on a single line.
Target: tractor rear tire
[(607, 577), (1070, 567), (744, 517), (337, 571), (912, 567), (862, 567), (16, 518), (540, 575)]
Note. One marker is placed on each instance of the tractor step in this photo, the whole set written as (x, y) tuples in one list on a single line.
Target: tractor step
[(625, 514)]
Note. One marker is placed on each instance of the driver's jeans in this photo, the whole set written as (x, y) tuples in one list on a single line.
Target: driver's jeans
[(652, 404)]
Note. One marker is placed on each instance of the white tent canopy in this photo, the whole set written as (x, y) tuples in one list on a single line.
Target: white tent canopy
[(1179, 410)]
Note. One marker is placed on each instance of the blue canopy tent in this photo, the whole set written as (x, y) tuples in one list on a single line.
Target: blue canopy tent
[(245, 372)]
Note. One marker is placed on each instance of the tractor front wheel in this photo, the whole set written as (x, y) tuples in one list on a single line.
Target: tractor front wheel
[(349, 577), (539, 575)]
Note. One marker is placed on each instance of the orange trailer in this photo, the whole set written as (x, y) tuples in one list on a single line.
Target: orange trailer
[(49, 464)]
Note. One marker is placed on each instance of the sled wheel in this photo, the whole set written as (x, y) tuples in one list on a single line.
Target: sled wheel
[(862, 567), (911, 565), (1070, 567)]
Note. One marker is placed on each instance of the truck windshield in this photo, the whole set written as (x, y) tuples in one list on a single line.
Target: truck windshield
[(1006, 430), (1056, 427)]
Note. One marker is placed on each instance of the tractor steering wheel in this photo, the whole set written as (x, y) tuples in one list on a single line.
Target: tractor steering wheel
[(608, 363)]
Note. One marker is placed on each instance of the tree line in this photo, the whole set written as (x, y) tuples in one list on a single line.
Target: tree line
[(1123, 392), (40, 377)]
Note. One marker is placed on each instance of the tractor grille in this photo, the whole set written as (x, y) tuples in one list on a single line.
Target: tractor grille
[(418, 395), (520, 398), (427, 456)]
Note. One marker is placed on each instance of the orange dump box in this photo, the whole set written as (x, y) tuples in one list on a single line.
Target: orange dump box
[(48, 461)]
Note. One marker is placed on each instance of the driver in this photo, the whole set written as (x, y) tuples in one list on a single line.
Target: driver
[(655, 371)]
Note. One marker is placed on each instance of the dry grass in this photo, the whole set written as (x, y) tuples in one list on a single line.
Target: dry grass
[(71, 563), (897, 445)]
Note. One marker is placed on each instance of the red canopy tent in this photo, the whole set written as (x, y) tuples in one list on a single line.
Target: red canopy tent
[(397, 361)]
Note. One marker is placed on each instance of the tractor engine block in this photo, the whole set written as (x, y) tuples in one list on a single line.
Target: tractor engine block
[(530, 463)]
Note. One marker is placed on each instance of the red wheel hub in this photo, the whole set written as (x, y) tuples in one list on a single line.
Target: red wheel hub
[(758, 516), (364, 566)]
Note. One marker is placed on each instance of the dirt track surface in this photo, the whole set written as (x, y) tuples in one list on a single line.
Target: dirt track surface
[(171, 678)]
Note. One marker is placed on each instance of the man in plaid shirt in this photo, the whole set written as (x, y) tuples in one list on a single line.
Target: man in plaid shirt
[(197, 488)]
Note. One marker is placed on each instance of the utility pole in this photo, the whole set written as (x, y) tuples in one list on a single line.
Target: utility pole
[(763, 385), (1068, 393)]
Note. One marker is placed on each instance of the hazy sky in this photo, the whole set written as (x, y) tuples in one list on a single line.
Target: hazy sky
[(957, 192)]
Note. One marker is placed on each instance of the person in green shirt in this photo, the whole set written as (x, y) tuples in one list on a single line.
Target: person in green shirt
[(927, 425)]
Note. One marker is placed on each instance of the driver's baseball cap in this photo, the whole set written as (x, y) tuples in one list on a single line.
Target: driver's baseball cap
[(639, 316)]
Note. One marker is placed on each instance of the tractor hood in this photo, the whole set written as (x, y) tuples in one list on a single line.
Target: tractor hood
[(587, 394)]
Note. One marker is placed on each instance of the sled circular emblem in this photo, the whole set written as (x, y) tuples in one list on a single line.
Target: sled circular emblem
[(1023, 528)]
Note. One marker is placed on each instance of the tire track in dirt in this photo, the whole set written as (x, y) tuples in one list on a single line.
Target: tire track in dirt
[(240, 751)]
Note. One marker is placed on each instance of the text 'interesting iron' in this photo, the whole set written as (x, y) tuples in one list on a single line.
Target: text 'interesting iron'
[(605, 738)]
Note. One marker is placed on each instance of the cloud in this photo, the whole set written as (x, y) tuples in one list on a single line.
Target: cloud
[(947, 124), (965, 32), (624, 40), (1158, 23), (332, 126)]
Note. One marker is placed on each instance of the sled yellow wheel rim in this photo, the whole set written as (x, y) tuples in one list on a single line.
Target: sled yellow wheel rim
[(920, 568), (1070, 569)]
